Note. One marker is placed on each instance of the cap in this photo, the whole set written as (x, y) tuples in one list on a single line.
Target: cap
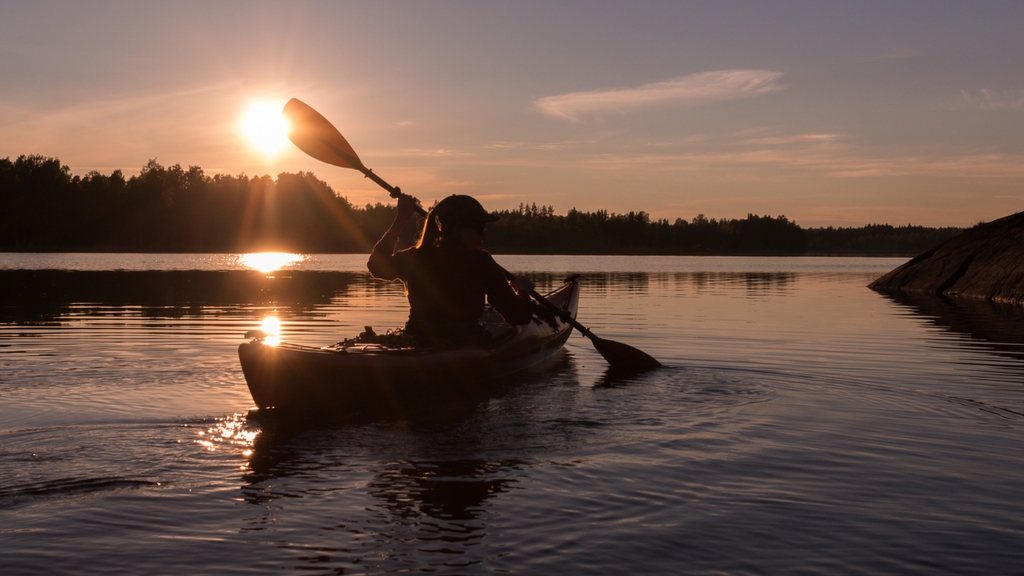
[(461, 208)]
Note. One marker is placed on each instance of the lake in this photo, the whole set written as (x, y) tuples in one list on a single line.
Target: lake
[(802, 424)]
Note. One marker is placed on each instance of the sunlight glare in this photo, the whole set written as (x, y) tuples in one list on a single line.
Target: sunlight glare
[(271, 325), (229, 431), (265, 127), (269, 261), (272, 328)]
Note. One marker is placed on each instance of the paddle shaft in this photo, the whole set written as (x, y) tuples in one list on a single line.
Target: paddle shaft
[(391, 189), (355, 163)]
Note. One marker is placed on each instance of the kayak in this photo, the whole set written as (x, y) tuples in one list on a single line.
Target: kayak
[(357, 377)]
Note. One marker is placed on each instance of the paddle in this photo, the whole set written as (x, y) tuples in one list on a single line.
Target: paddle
[(314, 135)]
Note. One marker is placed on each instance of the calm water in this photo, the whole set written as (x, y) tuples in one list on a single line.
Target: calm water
[(803, 424)]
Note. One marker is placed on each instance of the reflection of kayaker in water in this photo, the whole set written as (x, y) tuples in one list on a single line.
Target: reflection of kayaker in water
[(447, 275)]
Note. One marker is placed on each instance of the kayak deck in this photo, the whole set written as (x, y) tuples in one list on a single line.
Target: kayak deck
[(364, 376)]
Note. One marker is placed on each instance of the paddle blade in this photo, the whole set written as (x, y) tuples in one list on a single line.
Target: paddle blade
[(314, 135), (621, 356)]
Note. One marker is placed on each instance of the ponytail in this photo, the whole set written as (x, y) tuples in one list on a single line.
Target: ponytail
[(431, 235)]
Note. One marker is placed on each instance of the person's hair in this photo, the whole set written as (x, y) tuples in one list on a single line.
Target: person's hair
[(431, 235), (448, 214)]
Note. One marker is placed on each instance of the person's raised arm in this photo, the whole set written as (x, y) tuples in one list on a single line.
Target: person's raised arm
[(380, 263)]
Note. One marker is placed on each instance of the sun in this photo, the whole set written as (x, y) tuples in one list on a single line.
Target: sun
[(265, 127)]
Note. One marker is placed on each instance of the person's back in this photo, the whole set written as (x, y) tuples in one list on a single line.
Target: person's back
[(448, 276)]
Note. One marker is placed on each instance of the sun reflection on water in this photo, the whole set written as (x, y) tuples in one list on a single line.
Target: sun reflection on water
[(269, 261), (272, 328), (227, 432)]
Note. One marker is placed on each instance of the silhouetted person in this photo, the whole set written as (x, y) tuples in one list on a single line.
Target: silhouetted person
[(447, 275)]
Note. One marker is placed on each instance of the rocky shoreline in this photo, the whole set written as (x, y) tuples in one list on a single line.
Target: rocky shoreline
[(986, 262)]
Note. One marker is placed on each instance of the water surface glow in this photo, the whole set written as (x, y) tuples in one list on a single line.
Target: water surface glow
[(802, 424), (270, 261), (271, 326)]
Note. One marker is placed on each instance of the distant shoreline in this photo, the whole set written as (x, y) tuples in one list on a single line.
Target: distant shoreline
[(171, 210), (496, 253)]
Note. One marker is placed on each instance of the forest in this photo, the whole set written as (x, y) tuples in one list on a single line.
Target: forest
[(44, 208)]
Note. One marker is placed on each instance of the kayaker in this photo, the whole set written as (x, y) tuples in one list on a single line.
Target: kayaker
[(448, 275)]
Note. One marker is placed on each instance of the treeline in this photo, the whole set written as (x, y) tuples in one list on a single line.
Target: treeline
[(43, 207), (533, 230), (172, 209), (876, 240)]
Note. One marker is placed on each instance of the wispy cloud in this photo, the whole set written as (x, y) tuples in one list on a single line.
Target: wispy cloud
[(543, 146), (763, 164), (755, 155), (185, 124), (414, 153), (692, 89), (985, 99), (794, 139)]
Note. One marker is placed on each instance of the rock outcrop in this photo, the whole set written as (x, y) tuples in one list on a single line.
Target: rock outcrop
[(986, 261)]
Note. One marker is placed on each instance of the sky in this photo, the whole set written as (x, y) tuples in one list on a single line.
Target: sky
[(830, 113)]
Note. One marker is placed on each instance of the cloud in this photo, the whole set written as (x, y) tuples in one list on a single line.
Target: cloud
[(692, 89), (801, 155), (103, 131), (985, 99), (543, 146), (794, 139), (752, 155), (834, 163)]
